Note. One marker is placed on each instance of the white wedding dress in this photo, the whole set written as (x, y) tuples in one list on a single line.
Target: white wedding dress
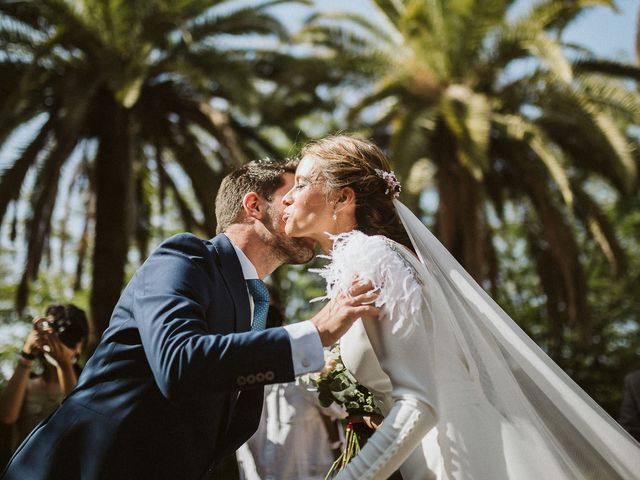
[(458, 401)]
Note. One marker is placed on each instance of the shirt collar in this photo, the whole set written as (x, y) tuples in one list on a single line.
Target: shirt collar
[(248, 270)]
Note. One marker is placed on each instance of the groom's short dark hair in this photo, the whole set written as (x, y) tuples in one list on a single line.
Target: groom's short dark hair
[(261, 176)]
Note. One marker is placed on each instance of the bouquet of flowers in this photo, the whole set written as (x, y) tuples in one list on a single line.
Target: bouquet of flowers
[(335, 384)]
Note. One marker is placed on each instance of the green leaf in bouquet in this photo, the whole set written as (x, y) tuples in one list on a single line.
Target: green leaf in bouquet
[(340, 383), (325, 398), (345, 394)]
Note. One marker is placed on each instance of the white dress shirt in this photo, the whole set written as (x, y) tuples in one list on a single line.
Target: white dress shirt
[(306, 348)]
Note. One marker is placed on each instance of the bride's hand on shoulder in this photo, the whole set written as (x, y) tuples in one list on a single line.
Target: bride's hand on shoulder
[(337, 316)]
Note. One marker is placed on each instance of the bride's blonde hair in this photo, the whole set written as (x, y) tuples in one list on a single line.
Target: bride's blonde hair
[(352, 162)]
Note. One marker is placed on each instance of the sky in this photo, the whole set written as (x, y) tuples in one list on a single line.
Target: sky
[(607, 33)]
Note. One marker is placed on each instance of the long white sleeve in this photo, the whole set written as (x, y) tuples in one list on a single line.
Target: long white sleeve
[(405, 360), (402, 347), (400, 433)]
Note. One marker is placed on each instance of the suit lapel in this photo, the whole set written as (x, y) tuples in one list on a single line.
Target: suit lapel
[(234, 281)]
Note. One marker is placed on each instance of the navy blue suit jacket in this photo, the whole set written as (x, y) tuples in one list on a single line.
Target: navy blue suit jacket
[(176, 381)]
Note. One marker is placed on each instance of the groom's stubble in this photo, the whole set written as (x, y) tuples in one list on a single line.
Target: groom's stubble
[(287, 249)]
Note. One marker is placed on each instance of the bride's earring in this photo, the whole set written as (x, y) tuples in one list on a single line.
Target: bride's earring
[(335, 216)]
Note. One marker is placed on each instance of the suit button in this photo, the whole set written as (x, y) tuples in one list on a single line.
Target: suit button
[(305, 363), (269, 376), (251, 379), (260, 377), (241, 380)]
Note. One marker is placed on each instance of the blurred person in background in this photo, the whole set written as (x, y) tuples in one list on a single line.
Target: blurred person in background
[(54, 343), (297, 439), (630, 407)]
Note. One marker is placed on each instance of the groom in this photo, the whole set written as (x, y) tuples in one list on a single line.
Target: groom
[(176, 381)]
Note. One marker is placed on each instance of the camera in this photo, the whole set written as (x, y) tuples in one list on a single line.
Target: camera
[(44, 324), (68, 332)]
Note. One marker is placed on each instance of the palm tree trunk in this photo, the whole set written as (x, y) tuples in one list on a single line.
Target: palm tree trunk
[(112, 177), (83, 243), (552, 285), (461, 220)]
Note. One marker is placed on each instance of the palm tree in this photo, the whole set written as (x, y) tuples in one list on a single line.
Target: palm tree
[(496, 109), (152, 95)]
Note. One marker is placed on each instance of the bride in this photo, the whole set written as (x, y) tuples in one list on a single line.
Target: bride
[(465, 393)]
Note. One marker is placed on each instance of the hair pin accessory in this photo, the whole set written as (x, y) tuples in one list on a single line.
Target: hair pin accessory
[(393, 185)]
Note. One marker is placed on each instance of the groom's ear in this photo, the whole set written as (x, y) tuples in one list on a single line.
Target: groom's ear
[(253, 205)]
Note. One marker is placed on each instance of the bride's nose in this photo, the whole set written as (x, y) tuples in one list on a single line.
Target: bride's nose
[(288, 198)]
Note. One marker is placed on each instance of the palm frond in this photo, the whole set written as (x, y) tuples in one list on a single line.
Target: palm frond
[(375, 33), (607, 67), (26, 12), (204, 179), (383, 91), (557, 237), (602, 230), (12, 178), (224, 133), (550, 52), (470, 23), (536, 139), (585, 126), (241, 21), (188, 219), (468, 115), (609, 96), (392, 9), (550, 14), (16, 37), (622, 148)]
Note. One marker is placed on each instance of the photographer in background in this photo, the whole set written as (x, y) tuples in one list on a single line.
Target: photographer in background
[(56, 341)]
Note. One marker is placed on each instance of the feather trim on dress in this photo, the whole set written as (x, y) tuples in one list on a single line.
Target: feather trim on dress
[(378, 260)]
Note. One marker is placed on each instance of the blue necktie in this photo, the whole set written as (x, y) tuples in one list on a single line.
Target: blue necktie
[(260, 294)]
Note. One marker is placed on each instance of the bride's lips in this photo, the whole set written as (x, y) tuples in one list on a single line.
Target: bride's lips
[(285, 215), (311, 243)]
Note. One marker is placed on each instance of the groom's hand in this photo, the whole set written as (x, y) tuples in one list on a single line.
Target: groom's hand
[(338, 315)]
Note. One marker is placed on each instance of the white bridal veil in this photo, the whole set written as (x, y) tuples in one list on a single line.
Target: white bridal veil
[(572, 437)]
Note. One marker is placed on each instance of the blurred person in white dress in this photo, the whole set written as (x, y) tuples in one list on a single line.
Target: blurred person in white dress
[(297, 439)]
